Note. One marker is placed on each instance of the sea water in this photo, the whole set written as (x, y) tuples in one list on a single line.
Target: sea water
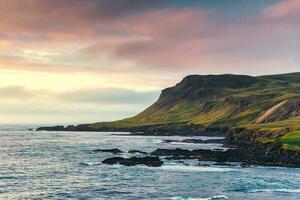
[(63, 165)]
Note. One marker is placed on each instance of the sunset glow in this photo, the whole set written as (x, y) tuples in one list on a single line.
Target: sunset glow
[(77, 61)]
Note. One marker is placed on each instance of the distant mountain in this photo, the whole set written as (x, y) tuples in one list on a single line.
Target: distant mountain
[(222, 101), (260, 115)]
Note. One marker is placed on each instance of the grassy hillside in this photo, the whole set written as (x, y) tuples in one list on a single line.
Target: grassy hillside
[(263, 102)]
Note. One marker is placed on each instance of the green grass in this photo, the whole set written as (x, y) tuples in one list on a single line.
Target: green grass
[(240, 107), (268, 140), (290, 141), (291, 123), (292, 138), (291, 147)]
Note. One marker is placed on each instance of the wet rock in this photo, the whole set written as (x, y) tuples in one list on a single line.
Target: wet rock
[(179, 157), (112, 161), (192, 141), (114, 151), (225, 164), (218, 149), (172, 152), (196, 141), (170, 141), (231, 155), (51, 128), (148, 161), (203, 165)]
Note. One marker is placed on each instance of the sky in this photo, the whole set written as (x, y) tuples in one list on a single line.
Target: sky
[(79, 61)]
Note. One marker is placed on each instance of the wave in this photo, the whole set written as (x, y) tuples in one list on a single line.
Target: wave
[(89, 164), (216, 197), (282, 190), (158, 141), (185, 168)]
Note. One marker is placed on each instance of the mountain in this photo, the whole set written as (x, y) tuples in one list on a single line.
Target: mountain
[(216, 102), (222, 101)]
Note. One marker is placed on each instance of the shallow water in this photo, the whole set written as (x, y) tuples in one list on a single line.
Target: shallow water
[(62, 165)]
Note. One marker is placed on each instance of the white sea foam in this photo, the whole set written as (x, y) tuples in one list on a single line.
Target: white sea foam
[(89, 164), (283, 190), (157, 141), (216, 197), (185, 168)]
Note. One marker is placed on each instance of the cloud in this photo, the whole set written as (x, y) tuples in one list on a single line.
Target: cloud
[(16, 92), (3, 36), (109, 96), (23, 105), (192, 39), (142, 36), (283, 9), (66, 19), (102, 54), (166, 38)]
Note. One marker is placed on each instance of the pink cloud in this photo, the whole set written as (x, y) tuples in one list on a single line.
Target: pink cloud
[(157, 39), (283, 9), (186, 39), (57, 19), (164, 38)]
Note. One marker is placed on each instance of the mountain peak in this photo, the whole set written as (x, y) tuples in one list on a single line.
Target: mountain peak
[(206, 86), (219, 81)]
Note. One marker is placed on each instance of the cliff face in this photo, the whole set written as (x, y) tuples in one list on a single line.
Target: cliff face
[(195, 96), (264, 147), (259, 114), (199, 103), (221, 101)]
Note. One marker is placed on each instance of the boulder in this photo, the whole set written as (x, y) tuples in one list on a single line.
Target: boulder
[(172, 152), (114, 151), (148, 161), (137, 151)]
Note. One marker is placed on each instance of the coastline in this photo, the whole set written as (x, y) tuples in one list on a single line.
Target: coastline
[(249, 148)]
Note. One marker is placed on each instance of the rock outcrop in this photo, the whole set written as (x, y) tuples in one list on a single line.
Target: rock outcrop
[(148, 161), (114, 151)]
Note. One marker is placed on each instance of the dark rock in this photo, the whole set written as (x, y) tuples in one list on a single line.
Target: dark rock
[(112, 161), (196, 141), (224, 164), (114, 151), (204, 165), (218, 149), (172, 152), (51, 128), (179, 157), (170, 141), (192, 141), (148, 161), (213, 141), (200, 154)]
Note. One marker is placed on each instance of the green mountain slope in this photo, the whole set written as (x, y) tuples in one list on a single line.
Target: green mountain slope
[(263, 108), (224, 101)]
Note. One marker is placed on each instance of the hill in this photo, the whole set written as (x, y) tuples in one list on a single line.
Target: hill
[(222, 101), (216, 102)]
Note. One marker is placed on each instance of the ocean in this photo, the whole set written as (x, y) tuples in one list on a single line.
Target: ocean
[(63, 165)]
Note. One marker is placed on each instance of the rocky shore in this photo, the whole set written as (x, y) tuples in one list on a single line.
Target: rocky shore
[(175, 129), (248, 148), (149, 161), (245, 147)]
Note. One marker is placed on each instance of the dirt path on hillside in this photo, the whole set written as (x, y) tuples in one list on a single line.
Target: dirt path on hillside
[(269, 112)]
